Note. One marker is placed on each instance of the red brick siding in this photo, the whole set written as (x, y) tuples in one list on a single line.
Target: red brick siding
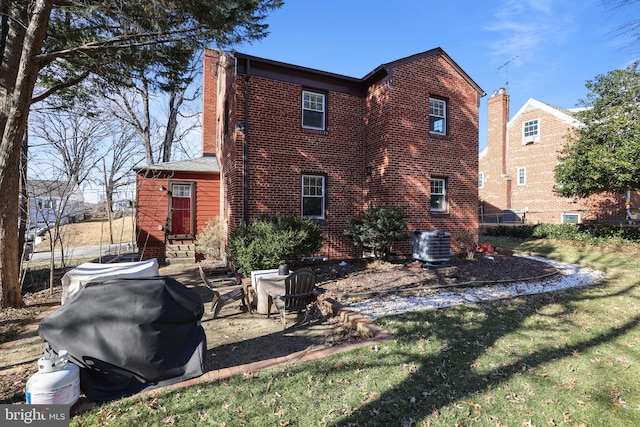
[(281, 151), (387, 131), (539, 159), (409, 156)]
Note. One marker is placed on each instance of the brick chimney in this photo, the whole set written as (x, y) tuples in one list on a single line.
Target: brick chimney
[(498, 116), (209, 100), (217, 98), (497, 191)]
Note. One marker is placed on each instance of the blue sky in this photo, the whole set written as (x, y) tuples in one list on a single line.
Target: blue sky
[(543, 49)]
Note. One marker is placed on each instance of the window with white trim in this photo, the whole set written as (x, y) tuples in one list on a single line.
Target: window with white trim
[(480, 179), (313, 110), (438, 195), (522, 176), (181, 190), (531, 131), (437, 116), (313, 199)]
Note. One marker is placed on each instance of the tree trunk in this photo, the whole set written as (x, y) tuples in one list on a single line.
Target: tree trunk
[(19, 72), (23, 210), (175, 102), (109, 204)]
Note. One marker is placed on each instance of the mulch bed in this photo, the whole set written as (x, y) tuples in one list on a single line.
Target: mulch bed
[(359, 276)]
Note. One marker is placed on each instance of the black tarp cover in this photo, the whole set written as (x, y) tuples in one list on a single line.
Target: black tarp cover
[(129, 335)]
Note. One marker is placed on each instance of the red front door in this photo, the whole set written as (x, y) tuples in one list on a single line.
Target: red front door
[(181, 209)]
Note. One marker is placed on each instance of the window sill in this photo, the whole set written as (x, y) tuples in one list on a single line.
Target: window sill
[(315, 131), (314, 218), (439, 135)]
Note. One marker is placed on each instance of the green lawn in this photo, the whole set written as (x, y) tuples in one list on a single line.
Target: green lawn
[(565, 358)]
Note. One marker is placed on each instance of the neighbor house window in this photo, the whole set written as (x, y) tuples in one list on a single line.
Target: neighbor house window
[(46, 203), (480, 179), (530, 131), (313, 191), (522, 176), (313, 110), (438, 195), (437, 116)]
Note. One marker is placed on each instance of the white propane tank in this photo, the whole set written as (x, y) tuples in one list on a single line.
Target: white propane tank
[(57, 382)]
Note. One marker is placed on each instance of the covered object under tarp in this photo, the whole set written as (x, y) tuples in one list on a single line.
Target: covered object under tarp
[(75, 279), (129, 335)]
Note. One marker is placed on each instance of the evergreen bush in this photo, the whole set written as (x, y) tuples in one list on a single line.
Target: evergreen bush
[(589, 233), (271, 241), (376, 228)]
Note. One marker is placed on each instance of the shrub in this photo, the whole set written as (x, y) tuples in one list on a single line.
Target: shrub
[(596, 234), (376, 229), (467, 241), (521, 231), (271, 241), (208, 242)]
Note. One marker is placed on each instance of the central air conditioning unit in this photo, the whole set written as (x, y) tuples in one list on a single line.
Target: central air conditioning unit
[(431, 245)]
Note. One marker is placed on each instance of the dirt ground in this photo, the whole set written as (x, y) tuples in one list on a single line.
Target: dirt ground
[(237, 337)]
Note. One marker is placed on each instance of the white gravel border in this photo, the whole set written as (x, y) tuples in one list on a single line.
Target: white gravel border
[(570, 276)]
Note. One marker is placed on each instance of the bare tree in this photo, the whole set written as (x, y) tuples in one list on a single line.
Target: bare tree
[(60, 43), (125, 152), (631, 27), (72, 138), (133, 105)]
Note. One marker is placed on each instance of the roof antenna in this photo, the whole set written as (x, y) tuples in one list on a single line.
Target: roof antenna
[(506, 71)]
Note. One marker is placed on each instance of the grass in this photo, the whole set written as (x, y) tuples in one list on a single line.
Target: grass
[(93, 233), (563, 358)]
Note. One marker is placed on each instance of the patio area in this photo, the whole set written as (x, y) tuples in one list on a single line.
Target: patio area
[(237, 337)]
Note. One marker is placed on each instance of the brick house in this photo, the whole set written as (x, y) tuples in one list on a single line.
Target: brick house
[(516, 170), (325, 146), (290, 139)]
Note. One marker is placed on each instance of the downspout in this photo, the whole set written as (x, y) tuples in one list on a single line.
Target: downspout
[(245, 150)]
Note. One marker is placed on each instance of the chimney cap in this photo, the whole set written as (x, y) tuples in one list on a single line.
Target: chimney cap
[(501, 91)]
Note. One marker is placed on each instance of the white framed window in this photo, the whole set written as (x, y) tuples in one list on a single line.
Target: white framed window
[(570, 218), (480, 179), (313, 196), (531, 131), (313, 110), (181, 190), (522, 176), (438, 195), (437, 116)]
